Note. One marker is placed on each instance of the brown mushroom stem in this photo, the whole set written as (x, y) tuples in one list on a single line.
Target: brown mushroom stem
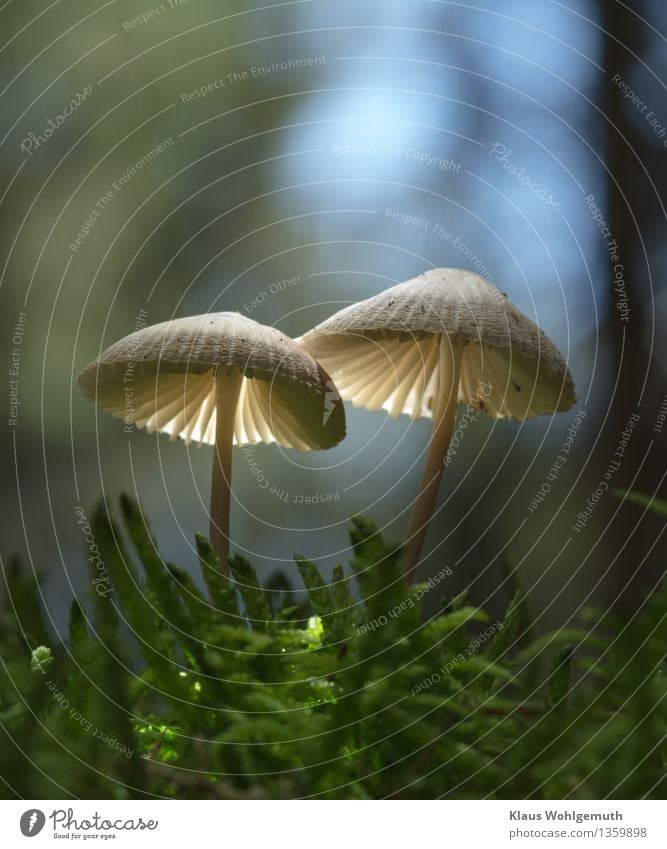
[(227, 390), (449, 371)]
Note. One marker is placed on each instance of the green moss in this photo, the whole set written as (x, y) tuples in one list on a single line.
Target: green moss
[(164, 690)]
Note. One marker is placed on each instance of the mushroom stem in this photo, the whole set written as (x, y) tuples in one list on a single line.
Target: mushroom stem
[(227, 390), (449, 373)]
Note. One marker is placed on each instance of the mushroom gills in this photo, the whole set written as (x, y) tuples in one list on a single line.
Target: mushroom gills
[(266, 412), (520, 388), (399, 375), (390, 374)]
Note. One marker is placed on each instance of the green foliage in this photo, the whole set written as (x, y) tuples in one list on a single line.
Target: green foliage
[(164, 690)]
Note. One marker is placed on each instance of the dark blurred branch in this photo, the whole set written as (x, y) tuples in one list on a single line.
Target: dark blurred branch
[(625, 151), (632, 209)]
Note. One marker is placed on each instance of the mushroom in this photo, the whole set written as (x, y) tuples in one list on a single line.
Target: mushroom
[(426, 345), (222, 379)]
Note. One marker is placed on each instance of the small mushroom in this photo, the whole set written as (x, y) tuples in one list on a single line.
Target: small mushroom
[(222, 379), (426, 345)]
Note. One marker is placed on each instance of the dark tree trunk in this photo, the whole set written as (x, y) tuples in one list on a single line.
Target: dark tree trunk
[(632, 210)]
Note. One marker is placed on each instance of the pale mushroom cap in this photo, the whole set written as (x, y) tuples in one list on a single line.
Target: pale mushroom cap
[(162, 378), (383, 352)]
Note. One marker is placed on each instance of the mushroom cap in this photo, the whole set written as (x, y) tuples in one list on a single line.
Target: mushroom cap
[(383, 353), (163, 378)]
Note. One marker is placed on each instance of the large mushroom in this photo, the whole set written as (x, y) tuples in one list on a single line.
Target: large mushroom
[(426, 345), (220, 379)]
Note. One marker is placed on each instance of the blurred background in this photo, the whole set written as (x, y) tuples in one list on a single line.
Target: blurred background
[(286, 160)]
